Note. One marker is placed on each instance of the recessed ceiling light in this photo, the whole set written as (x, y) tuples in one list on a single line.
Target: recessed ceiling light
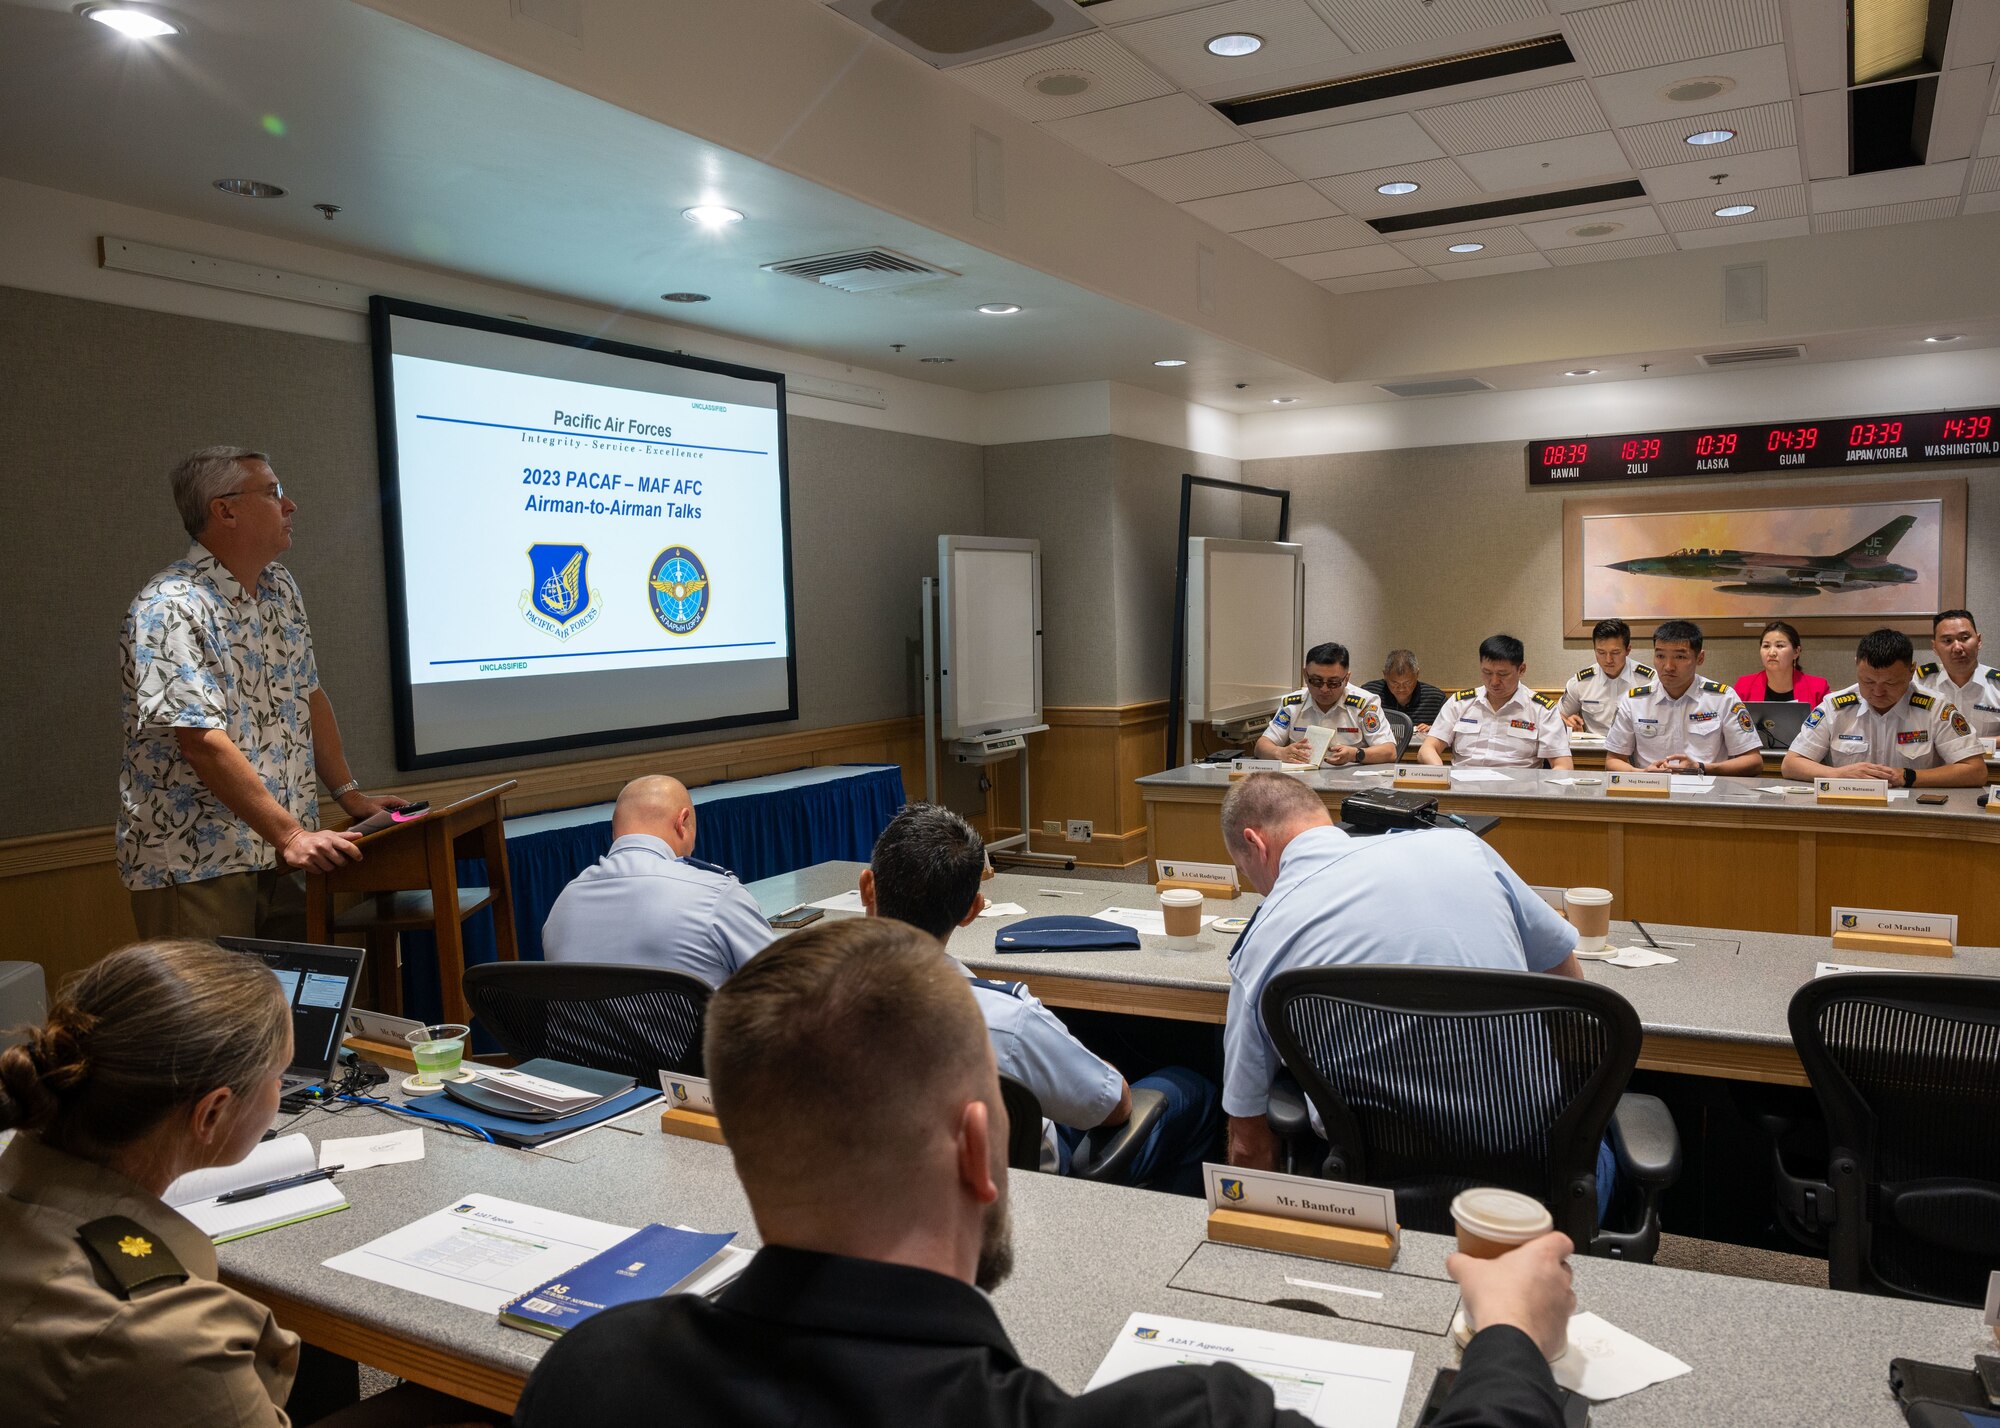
[(1282, 401), (1171, 362), (131, 21), (1233, 46), (1735, 210), (1466, 248), (249, 188), (1945, 337), (1582, 372), (1401, 186), (683, 297), (1710, 136), (937, 361), (999, 309), (711, 215)]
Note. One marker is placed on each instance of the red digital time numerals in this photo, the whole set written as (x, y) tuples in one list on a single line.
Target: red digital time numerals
[(1715, 443), (1645, 449), (1967, 428), (1875, 433), (1566, 453), (1792, 438)]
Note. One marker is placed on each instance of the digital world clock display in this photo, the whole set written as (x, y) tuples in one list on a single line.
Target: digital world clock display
[(1853, 443)]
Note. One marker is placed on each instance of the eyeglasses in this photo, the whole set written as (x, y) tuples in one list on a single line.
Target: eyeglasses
[(276, 492), (1313, 681)]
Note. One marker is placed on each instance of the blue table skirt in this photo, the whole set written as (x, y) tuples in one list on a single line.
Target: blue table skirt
[(757, 828)]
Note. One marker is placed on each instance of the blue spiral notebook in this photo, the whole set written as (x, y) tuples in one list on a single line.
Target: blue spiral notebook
[(655, 1261)]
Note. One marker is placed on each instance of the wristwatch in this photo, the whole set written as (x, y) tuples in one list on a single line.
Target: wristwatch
[(345, 789), (1909, 777)]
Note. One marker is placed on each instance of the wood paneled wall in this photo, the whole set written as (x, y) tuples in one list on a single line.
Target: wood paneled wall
[(1085, 766)]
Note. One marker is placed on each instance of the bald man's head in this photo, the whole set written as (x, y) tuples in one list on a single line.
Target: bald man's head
[(657, 805)]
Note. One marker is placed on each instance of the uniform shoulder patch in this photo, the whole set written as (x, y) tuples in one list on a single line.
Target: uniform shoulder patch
[(1547, 701), (133, 1256), (1928, 668), (1993, 676), (1355, 701), (1958, 724), (1586, 672), (1847, 700), (1294, 699), (1466, 694), (1644, 671), (1921, 700), (1637, 690), (1710, 686)]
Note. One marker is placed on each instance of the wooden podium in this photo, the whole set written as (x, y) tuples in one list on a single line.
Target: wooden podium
[(409, 875)]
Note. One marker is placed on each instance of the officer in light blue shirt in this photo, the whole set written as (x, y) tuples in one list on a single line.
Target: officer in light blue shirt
[(925, 870), (647, 902), (1437, 898)]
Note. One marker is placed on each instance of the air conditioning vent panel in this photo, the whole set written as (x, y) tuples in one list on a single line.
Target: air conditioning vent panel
[(1444, 387), (863, 270), (1744, 355)]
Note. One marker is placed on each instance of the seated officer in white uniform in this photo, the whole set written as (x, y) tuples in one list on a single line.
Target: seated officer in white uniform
[(1883, 726), (1956, 675), (925, 870), (647, 902), (1590, 699), (1503, 723), (1682, 723), (1360, 730), (1436, 898)]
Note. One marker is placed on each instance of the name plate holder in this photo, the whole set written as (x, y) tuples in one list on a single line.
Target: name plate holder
[(1243, 768), (1216, 880), (1628, 783), (1919, 934), (1296, 1214), (690, 1109), (1421, 776), (1851, 790)]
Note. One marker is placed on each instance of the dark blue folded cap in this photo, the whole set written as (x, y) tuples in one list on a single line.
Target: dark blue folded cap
[(1064, 934)]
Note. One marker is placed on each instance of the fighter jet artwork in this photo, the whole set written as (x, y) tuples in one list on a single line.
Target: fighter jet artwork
[(1757, 572)]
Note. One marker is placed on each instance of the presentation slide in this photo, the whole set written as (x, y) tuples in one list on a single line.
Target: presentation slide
[(589, 541)]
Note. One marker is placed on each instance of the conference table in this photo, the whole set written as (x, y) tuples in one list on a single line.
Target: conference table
[(1735, 855), (1086, 1257), (1588, 752), (1719, 1010)]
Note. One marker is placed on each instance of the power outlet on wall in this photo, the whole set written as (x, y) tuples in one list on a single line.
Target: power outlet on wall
[(1052, 826), (1078, 831)]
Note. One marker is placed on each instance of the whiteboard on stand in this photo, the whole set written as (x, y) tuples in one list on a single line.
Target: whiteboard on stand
[(990, 644), (1246, 625)]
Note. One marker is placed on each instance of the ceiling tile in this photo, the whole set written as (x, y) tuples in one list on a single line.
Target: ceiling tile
[(1989, 142), (1986, 175), (1786, 202), (1485, 267), (1350, 148), (1124, 12), (1431, 250), (1639, 33), (1263, 207), (1773, 168), (1982, 203), (1640, 247), (1917, 212), (1553, 233), (1116, 76), (1368, 282), (1744, 233), (1346, 262), (1230, 169), (1150, 129), (1441, 184), (1663, 142), (1369, 25), (1293, 35), (1527, 116), (1640, 96), (1889, 186), (1587, 156), (1290, 239)]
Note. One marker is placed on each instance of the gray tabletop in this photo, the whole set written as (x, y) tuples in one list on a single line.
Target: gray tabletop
[(1961, 805), (1088, 1255), (1728, 986)]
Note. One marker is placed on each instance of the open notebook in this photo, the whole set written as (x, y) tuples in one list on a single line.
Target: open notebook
[(194, 1193)]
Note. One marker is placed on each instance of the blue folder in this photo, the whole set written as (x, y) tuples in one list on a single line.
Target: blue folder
[(509, 1131)]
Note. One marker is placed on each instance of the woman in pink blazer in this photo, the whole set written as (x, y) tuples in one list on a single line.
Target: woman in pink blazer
[(1781, 677)]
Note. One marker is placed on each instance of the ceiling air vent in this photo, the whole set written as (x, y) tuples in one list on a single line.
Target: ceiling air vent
[(1751, 354), (1449, 387), (865, 270)]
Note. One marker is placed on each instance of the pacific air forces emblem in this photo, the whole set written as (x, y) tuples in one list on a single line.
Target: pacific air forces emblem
[(559, 600)]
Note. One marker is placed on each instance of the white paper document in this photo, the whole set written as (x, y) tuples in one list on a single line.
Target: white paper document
[(1146, 921), (1693, 783), (849, 901), (1002, 909), (1330, 1383), (1459, 775), (1830, 969), (194, 1194), (480, 1252), (361, 1151), (1605, 1362), (1639, 957)]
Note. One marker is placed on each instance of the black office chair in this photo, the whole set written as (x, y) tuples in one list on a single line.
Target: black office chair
[(1432, 1080), (635, 1021), (1102, 1155), (1404, 728), (1906, 1067)]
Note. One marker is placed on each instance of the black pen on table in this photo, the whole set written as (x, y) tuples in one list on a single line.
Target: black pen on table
[(1645, 934), (252, 1192)]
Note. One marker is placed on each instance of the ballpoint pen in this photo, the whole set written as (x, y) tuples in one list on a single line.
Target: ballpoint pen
[(253, 1191)]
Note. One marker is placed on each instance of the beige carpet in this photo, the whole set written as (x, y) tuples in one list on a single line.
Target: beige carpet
[(1710, 1257)]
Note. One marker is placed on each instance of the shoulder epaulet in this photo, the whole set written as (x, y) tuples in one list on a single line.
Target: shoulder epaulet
[(1466, 694), (1847, 700), (1587, 671), (1645, 671), (1710, 686), (1355, 701), (1992, 675), (1547, 701), (135, 1257), (1293, 699), (1928, 668), (1921, 700), (1638, 689), (1006, 989)]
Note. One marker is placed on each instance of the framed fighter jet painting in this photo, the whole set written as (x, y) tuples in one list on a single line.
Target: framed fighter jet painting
[(1842, 561)]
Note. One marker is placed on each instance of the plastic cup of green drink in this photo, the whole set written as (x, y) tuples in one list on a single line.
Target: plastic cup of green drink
[(437, 1050)]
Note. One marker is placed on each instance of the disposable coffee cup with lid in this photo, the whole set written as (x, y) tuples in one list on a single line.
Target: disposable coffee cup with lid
[(1492, 1221), (1590, 910), (1180, 910)]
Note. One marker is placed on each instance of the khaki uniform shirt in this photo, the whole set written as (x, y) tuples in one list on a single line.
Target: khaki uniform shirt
[(1594, 694), (1708, 724), (1978, 699), (1920, 731), (1518, 735), (78, 1353), (1356, 719)]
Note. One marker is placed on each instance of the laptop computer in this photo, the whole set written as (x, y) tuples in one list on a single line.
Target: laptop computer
[(1778, 721), (319, 983)]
